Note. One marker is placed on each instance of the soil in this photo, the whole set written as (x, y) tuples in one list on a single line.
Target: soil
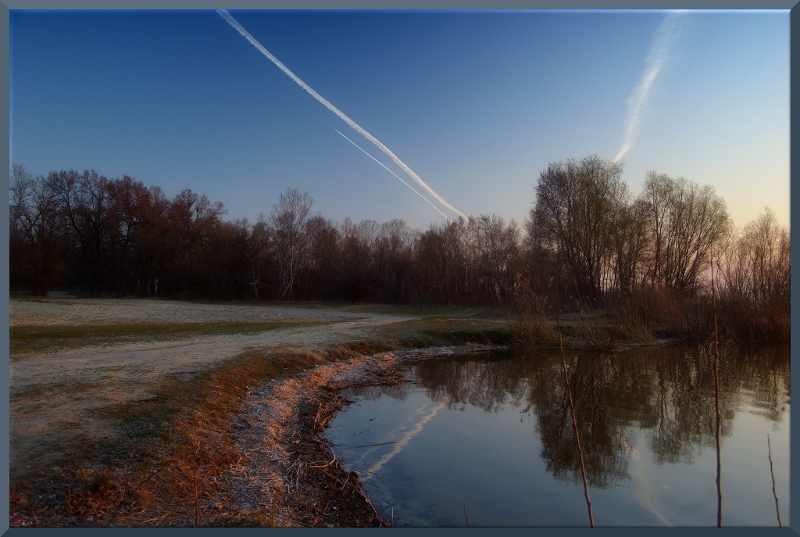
[(286, 473)]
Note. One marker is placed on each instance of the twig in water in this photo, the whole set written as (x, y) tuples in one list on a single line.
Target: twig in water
[(777, 510), (373, 445), (465, 514), (574, 418)]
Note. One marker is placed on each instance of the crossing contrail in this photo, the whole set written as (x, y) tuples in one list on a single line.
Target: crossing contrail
[(659, 54), (398, 177), (244, 33)]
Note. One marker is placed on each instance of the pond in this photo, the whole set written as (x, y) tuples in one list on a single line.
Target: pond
[(488, 440)]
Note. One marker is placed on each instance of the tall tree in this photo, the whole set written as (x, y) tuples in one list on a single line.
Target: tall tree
[(323, 253), (262, 261), (757, 267), (498, 251), (37, 231), (576, 210), (685, 221), (360, 259), (290, 242), (395, 242), (85, 201), (192, 220), (129, 205)]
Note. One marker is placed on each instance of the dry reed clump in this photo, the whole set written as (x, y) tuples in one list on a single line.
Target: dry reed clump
[(527, 318), (741, 320), (648, 314), (597, 331), (635, 318)]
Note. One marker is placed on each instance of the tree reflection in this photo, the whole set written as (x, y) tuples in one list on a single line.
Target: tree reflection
[(667, 393)]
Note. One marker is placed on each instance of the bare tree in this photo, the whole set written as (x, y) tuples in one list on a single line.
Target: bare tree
[(323, 253), (290, 243), (498, 251), (37, 231), (360, 261), (685, 222), (85, 202), (192, 220), (153, 251), (629, 242), (395, 242), (757, 267), (577, 206), (260, 241), (439, 255), (130, 200)]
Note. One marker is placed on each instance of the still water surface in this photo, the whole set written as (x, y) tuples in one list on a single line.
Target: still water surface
[(489, 438)]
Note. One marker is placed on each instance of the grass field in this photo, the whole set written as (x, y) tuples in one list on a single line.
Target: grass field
[(165, 413)]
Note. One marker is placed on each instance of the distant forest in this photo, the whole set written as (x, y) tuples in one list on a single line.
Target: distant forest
[(588, 243)]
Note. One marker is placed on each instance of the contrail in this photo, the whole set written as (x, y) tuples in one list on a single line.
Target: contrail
[(665, 38), (244, 33), (398, 177), (404, 441)]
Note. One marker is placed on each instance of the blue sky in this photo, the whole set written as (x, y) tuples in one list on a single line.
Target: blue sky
[(475, 103)]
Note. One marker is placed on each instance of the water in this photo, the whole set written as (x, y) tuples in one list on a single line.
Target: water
[(488, 438)]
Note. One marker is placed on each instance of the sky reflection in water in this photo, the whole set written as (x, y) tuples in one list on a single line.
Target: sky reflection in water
[(492, 434)]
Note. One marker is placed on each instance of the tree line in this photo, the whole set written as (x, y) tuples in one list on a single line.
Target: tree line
[(587, 242)]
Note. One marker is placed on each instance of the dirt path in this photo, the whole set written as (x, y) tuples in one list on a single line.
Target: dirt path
[(54, 396)]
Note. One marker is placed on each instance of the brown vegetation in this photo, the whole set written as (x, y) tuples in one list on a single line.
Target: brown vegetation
[(237, 444), (587, 240), (195, 456)]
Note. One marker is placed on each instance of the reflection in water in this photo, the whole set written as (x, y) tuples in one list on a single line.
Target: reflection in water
[(636, 408), (667, 393), (399, 445)]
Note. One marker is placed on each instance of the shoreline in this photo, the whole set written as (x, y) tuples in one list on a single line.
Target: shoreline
[(307, 484), (230, 450)]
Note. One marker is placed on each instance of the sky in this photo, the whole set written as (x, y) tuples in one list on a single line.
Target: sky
[(417, 115)]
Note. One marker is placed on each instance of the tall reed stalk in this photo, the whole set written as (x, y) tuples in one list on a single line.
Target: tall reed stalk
[(775, 494), (716, 396), (574, 418)]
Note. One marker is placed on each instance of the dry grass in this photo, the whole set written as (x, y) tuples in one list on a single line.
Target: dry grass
[(237, 445), (226, 442), (527, 318), (179, 462), (740, 320)]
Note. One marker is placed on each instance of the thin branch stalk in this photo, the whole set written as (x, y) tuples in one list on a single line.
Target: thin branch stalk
[(775, 494), (718, 432), (574, 420)]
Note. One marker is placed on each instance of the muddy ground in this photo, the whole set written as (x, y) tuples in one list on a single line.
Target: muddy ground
[(214, 429)]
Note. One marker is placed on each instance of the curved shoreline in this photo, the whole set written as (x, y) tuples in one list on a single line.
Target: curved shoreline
[(292, 468)]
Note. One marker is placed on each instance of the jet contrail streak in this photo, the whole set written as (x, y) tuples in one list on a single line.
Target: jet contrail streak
[(398, 177), (244, 33), (659, 54), (398, 447)]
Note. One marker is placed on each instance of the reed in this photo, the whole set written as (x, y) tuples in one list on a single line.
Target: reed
[(527, 315), (718, 431), (772, 473), (574, 420)]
